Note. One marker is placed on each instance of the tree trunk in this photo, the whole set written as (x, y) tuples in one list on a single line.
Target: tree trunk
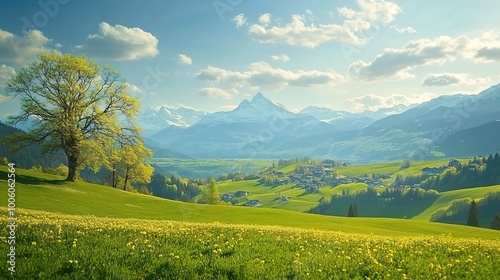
[(126, 179), (72, 168)]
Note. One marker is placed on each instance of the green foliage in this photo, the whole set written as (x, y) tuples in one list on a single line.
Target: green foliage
[(77, 105), (478, 172), (212, 196), (495, 224), (174, 188), (473, 216), (4, 161)]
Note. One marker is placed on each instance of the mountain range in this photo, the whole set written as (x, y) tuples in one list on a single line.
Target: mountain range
[(263, 128)]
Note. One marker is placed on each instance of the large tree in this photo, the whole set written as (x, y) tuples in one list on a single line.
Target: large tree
[(79, 108)]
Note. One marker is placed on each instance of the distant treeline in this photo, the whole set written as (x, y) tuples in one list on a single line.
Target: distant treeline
[(457, 212), (29, 156), (478, 172), (176, 188), (390, 197)]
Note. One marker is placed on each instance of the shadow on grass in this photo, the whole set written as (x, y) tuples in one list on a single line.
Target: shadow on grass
[(31, 180)]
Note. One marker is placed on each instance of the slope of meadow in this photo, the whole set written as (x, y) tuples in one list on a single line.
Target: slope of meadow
[(43, 192), (86, 231)]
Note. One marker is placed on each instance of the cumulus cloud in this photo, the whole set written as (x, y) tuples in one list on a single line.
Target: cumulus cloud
[(120, 43), (447, 79), (300, 31), (21, 49), (217, 92), (184, 59), (6, 72), (374, 102), (372, 10), (281, 57), (261, 75), (396, 63), (265, 19), (297, 33), (239, 20)]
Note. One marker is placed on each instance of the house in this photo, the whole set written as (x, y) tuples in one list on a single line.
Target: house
[(253, 203), (285, 198), (227, 197), (328, 163)]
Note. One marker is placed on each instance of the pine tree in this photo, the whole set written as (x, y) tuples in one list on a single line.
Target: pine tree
[(353, 210), (473, 216), (495, 224)]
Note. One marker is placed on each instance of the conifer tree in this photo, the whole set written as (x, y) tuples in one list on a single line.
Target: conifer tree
[(353, 210), (473, 216)]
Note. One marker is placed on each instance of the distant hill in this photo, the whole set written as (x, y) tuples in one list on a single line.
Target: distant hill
[(28, 156), (479, 140), (46, 192), (262, 128)]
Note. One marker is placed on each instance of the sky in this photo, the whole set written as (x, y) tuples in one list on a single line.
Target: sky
[(210, 55)]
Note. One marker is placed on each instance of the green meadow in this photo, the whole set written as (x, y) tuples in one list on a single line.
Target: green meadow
[(87, 231)]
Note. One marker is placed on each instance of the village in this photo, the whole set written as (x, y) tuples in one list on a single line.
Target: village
[(311, 177)]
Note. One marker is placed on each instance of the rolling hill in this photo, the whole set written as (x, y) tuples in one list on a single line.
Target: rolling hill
[(43, 192)]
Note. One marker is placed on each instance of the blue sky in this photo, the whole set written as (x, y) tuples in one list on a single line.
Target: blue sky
[(210, 55)]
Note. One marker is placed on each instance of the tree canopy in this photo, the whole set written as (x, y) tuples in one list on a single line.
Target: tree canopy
[(79, 108)]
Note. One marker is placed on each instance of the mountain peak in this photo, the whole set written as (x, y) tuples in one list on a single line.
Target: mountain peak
[(259, 96)]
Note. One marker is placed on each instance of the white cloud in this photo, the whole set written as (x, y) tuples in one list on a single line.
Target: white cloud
[(299, 33), (217, 92), (281, 57), (261, 75), (265, 19), (404, 29), (455, 79), (20, 50), (184, 59), (6, 72), (372, 10), (120, 43), (396, 63), (374, 102), (239, 20)]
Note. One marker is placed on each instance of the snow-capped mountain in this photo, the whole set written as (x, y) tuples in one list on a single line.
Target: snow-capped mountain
[(252, 124), (259, 109), (349, 121), (153, 120)]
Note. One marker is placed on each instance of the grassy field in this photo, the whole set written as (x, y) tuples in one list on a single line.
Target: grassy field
[(57, 246), (86, 231), (204, 168)]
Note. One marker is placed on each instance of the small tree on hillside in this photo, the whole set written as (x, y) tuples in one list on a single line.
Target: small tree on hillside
[(473, 216), (495, 224), (353, 210), (213, 193)]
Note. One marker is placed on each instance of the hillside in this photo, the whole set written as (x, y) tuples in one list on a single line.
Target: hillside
[(45, 192)]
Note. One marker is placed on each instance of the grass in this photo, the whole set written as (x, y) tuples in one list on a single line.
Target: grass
[(86, 231), (446, 198), (56, 246), (50, 194)]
